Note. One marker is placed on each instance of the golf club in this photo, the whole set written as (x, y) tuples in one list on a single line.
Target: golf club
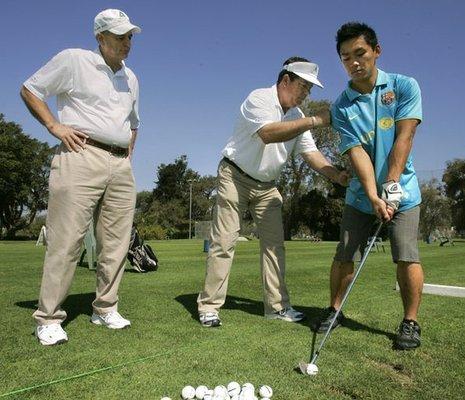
[(311, 368)]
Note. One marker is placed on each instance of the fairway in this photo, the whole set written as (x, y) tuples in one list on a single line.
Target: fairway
[(166, 348)]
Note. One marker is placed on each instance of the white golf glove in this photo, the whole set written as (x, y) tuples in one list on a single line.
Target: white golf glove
[(392, 194)]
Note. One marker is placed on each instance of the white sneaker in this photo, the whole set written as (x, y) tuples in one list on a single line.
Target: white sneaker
[(210, 319), (51, 334), (288, 314), (112, 320)]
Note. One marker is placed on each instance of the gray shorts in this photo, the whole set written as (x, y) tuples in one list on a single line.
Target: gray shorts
[(356, 228)]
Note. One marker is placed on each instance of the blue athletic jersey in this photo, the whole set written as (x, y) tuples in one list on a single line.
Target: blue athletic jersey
[(370, 120)]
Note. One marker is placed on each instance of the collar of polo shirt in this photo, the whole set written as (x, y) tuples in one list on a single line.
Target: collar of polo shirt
[(101, 61)]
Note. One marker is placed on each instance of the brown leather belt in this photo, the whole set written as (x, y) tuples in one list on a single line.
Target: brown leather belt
[(236, 167), (115, 150)]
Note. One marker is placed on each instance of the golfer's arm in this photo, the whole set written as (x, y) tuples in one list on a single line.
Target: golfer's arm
[(363, 167), (319, 163), (38, 108), (405, 131), (277, 132)]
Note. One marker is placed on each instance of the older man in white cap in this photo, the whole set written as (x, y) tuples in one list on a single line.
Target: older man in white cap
[(91, 174), (270, 127)]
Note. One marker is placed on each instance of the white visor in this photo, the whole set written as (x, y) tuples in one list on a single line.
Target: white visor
[(306, 70)]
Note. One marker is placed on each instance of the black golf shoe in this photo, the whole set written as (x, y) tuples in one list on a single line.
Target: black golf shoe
[(330, 312), (408, 336)]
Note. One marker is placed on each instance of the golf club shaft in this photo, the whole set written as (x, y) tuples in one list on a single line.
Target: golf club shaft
[(346, 294)]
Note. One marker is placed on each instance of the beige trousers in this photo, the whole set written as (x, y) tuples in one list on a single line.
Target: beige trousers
[(90, 184), (237, 193)]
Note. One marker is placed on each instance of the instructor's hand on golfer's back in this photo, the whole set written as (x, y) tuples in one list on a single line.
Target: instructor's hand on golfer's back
[(293, 90), (277, 132)]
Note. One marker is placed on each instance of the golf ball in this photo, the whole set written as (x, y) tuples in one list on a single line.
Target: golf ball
[(166, 398), (200, 392), (220, 391), (265, 391), (312, 369), (247, 394), (188, 392), (233, 388)]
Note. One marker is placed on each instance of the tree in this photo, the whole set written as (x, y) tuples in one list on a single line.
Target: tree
[(203, 197), (167, 207), (143, 201), (298, 178), (322, 213), (435, 209), (454, 179), (24, 171), (173, 180)]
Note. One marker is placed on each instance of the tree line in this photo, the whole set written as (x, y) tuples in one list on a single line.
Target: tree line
[(312, 206)]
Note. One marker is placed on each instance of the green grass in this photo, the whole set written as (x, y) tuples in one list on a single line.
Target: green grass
[(166, 348)]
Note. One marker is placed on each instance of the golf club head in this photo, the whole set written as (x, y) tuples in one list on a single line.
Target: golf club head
[(308, 369)]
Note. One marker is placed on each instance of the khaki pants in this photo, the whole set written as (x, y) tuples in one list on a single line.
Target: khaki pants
[(91, 183), (237, 193)]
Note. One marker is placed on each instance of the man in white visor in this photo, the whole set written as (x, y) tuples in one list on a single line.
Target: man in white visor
[(269, 128)]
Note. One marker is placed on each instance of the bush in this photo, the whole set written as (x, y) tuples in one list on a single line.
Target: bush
[(152, 232), (31, 232)]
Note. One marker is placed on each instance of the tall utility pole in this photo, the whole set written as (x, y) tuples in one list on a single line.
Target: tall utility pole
[(190, 208)]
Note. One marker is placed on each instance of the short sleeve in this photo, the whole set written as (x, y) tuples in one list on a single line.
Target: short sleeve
[(305, 143), (409, 100), (257, 112), (53, 78), (346, 133)]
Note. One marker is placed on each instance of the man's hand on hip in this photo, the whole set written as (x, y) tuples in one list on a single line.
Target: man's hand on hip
[(73, 139)]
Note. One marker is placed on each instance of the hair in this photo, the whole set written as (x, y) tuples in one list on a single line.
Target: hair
[(290, 60), (352, 30)]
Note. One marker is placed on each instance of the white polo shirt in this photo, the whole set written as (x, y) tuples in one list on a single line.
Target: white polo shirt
[(245, 147), (90, 97)]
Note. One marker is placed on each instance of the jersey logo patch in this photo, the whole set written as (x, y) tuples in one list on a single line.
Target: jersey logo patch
[(388, 98), (385, 123)]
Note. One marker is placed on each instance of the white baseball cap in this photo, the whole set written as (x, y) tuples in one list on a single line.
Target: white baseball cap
[(306, 70), (114, 21)]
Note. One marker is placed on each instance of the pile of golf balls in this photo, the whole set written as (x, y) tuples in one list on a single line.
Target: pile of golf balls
[(233, 391)]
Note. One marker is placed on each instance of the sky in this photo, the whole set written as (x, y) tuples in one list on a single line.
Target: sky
[(196, 62)]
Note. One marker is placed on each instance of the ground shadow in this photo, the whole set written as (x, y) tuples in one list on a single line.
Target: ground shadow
[(314, 314), (74, 305), (189, 301)]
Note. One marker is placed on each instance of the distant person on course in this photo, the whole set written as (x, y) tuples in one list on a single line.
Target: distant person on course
[(91, 173), (269, 128)]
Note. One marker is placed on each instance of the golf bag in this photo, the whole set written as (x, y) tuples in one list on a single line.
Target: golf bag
[(140, 255)]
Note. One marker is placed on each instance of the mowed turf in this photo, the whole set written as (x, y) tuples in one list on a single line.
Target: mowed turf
[(166, 348)]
